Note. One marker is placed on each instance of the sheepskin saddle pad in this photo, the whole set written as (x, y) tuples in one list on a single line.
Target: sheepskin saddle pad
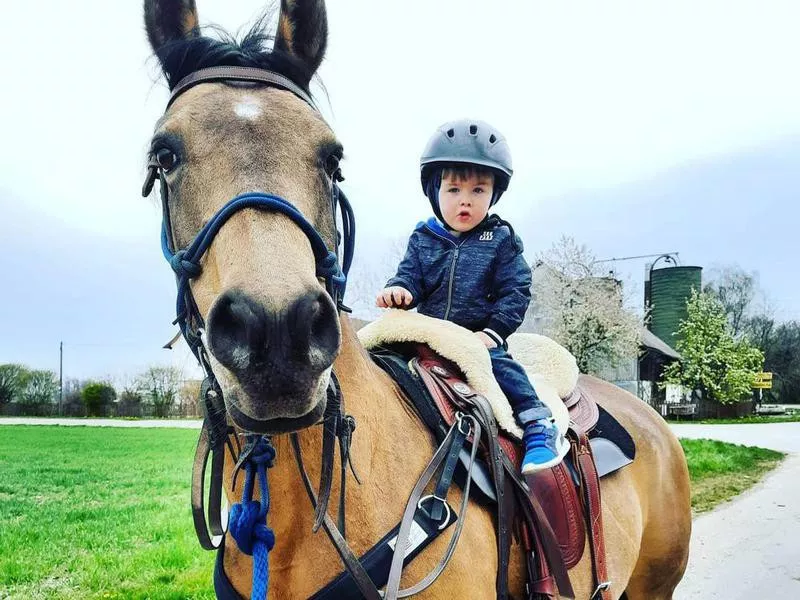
[(550, 367)]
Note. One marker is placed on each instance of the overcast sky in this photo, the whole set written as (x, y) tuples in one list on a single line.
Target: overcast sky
[(636, 127)]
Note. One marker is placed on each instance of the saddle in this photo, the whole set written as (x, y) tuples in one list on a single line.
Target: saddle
[(568, 494)]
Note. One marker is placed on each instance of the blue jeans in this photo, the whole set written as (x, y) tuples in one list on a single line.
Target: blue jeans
[(517, 387)]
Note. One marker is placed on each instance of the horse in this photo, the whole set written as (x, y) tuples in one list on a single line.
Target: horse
[(275, 335)]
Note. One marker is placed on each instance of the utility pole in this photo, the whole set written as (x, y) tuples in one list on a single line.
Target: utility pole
[(60, 377)]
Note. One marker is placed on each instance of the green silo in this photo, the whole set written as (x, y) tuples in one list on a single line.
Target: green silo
[(670, 288)]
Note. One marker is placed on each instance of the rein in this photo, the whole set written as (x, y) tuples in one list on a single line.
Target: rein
[(247, 522)]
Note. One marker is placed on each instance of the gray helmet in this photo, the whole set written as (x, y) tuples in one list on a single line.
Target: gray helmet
[(471, 142)]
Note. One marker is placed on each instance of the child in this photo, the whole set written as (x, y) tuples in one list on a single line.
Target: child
[(467, 267)]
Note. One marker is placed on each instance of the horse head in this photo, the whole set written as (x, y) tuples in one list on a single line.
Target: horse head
[(269, 328)]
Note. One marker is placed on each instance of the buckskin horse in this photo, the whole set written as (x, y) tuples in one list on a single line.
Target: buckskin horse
[(249, 173)]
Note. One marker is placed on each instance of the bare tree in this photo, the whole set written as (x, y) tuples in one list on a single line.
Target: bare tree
[(735, 289), (582, 308), (369, 277), (189, 396), (40, 388), (160, 385)]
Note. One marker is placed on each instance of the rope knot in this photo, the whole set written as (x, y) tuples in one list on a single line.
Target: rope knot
[(263, 454), (184, 267), (328, 266), (247, 528)]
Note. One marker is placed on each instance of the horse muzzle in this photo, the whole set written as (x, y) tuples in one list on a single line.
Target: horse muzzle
[(277, 363)]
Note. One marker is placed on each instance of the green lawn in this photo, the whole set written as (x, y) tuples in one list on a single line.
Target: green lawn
[(720, 471), (91, 512), (98, 513), (793, 418)]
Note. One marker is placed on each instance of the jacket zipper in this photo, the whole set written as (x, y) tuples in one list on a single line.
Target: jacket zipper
[(452, 266), (450, 284)]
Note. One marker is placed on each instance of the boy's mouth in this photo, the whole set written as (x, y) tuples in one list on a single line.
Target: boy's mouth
[(464, 214)]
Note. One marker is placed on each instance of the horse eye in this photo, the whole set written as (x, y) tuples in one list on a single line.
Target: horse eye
[(166, 159), (332, 164)]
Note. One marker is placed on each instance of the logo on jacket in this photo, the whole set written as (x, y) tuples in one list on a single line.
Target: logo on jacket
[(486, 236)]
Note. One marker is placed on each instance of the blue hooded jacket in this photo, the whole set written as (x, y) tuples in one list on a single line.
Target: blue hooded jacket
[(479, 280)]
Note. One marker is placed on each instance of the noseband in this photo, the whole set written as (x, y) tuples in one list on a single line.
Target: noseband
[(186, 262)]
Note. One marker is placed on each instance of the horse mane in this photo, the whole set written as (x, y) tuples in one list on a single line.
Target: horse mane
[(183, 57)]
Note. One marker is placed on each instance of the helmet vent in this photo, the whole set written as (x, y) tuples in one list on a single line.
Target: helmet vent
[(473, 129), (451, 132), (492, 139)]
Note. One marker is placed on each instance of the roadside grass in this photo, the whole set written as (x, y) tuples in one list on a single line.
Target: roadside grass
[(720, 471)]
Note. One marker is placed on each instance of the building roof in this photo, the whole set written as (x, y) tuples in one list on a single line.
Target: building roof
[(651, 342)]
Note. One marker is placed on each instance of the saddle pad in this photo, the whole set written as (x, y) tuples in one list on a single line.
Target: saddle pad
[(610, 430), (551, 368)]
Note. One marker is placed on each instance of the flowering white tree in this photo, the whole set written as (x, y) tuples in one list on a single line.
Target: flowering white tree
[(582, 308), (369, 275)]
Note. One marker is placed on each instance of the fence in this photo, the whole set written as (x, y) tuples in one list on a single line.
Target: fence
[(115, 409)]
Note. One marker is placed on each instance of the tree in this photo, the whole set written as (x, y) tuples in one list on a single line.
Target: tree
[(96, 396), (40, 387), (782, 357), (369, 275), (12, 379), (735, 289), (715, 363), (582, 308), (161, 386), (188, 397)]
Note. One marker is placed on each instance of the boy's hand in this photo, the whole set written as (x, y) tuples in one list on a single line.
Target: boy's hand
[(394, 297), (487, 341)]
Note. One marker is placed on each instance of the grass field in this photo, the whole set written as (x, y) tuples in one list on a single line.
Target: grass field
[(104, 512), (98, 513), (720, 471), (751, 419)]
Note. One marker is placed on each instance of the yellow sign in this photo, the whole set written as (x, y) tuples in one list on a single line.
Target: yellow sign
[(762, 381)]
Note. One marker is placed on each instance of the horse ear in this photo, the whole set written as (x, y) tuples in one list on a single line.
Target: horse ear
[(169, 21), (303, 31)]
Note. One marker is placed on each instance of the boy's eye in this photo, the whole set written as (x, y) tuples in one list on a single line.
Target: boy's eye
[(478, 190), (453, 190)]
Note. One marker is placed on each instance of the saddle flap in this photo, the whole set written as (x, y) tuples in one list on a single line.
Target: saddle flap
[(555, 490)]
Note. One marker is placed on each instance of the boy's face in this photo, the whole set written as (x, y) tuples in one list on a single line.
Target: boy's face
[(465, 202)]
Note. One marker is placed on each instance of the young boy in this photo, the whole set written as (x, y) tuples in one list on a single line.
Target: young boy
[(467, 267)]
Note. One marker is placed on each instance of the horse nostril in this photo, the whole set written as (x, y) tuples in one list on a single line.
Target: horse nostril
[(315, 328), (237, 329)]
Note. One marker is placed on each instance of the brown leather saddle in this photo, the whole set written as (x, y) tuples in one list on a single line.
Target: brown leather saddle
[(568, 493)]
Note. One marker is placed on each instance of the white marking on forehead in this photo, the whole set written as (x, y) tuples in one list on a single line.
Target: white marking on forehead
[(248, 108)]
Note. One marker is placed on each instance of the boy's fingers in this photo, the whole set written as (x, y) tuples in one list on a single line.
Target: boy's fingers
[(397, 296), (407, 298)]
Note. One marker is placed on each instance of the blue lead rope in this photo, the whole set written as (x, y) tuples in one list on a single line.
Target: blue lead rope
[(247, 520)]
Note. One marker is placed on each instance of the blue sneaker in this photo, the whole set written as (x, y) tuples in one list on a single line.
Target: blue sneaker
[(545, 446)]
